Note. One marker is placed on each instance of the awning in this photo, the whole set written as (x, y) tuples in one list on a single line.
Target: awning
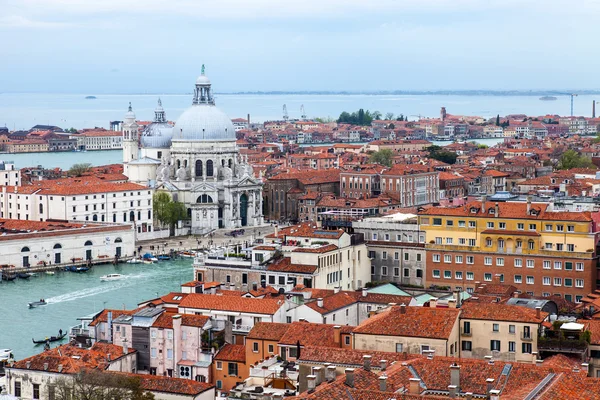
[(572, 326)]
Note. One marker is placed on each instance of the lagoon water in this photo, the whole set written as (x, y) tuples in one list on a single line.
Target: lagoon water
[(71, 295), (24, 110)]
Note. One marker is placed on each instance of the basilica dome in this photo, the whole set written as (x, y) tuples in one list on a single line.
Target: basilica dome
[(203, 121)]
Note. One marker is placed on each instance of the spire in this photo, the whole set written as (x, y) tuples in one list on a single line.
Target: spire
[(202, 71), (202, 91), (159, 102), (129, 109)]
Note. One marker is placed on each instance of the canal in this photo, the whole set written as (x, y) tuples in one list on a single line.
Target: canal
[(71, 295)]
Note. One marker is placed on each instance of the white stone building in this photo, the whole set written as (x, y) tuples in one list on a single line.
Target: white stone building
[(9, 175), (197, 162)]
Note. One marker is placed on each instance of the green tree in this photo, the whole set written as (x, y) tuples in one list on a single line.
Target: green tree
[(99, 385), (360, 117), (438, 153), (572, 159), (80, 169), (498, 120), (383, 157), (168, 212), (376, 115), (391, 126), (389, 116)]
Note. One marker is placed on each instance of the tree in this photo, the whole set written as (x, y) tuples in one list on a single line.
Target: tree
[(498, 120), (572, 159), (99, 385), (389, 116), (168, 212), (391, 126), (360, 117), (383, 157), (438, 153), (376, 115), (79, 169)]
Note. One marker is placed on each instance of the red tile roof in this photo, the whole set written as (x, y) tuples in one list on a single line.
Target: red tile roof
[(285, 265), (232, 352), (309, 334), (177, 386), (268, 331), (231, 303), (103, 316), (435, 323), (500, 312)]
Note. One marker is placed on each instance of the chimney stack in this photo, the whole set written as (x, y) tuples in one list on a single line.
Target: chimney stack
[(433, 302), (585, 367), (349, 377), (451, 303), (27, 364), (593, 108), (539, 362), (402, 308), (415, 386), (383, 383), (455, 375), (383, 364), (364, 292), (320, 302), (490, 385), (45, 366), (469, 396), (494, 394), (60, 367), (538, 312), (330, 373), (528, 204), (483, 201), (496, 210), (367, 362), (125, 348), (337, 334), (318, 372), (534, 357), (311, 382)]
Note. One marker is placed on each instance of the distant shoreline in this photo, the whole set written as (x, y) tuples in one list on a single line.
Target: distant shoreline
[(500, 93)]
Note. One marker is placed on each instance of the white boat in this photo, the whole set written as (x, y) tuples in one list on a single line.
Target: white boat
[(50, 272), (111, 277), (147, 262), (134, 261)]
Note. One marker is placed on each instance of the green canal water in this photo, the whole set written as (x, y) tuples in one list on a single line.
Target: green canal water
[(71, 295)]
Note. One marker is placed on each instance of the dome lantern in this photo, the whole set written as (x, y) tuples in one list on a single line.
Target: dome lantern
[(202, 92)]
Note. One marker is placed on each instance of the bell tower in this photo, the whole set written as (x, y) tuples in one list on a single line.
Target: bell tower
[(130, 138)]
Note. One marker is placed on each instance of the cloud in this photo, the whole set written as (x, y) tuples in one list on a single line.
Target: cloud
[(17, 21)]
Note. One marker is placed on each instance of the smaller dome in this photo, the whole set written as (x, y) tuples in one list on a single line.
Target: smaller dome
[(202, 80), (130, 114)]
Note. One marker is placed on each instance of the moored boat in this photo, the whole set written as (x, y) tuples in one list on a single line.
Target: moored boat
[(111, 277), (164, 258), (134, 261), (24, 275), (50, 272), (187, 254), (50, 339)]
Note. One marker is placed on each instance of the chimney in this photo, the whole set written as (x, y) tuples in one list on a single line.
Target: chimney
[(337, 333), (528, 204), (534, 357), (496, 210), (414, 386), (483, 200), (28, 364), (336, 289), (318, 372), (330, 373), (433, 302), (469, 396), (515, 294), (125, 348), (349, 377), (455, 375), (277, 396), (383, 383), (364, 292), (539, 362), (489, 359), (451, 303), (320, 302), (490, 385), (402, 308), (585, 367), (254, 286), (60, 367), (108, 357), (494, 394), (452, 391), (383, 364), (45, 366), (311, 381), (367, 362), (538, 312)]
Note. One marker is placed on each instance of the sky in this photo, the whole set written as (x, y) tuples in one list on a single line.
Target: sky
[(158, 46)]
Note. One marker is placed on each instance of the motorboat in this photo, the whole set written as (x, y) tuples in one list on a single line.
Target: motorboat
[(148, 262), (24, 275), (50, 339), (134, 261), (149, 257), (111, 277), (75, 268), (9, 277), (187, 254), (50, 272), (34, 304), (164, 258)]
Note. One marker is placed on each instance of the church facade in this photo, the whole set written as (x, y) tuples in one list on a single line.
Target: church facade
[(197, 162)]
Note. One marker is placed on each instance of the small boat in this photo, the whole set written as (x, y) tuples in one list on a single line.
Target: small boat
[(134, 261), (148, 262), (50, 339), (50, 272), (75, 268), (7, 277), (548, 98), (34, 304), (188, 254), (90, 97), (24, 275), (163, 258), (111, 277)]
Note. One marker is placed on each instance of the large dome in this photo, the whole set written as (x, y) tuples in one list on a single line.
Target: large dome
[(204, 122)]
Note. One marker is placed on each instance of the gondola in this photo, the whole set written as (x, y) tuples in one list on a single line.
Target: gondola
[(50, 339), (24, 275), (6, 277)]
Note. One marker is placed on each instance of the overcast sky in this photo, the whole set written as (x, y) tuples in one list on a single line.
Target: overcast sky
[(156, 46)]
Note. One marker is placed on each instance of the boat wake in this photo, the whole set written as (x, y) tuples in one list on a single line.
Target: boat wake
[(81, 294)]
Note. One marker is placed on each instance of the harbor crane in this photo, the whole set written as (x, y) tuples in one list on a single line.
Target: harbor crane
[(302, 113), (285, 113)]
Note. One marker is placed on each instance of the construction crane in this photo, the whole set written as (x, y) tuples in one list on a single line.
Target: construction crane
[(572, 95), (285, 113), (302, 113)]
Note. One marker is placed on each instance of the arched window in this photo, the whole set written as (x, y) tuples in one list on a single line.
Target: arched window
[(209, 168), (95, 217), (222, 162), (189, 213), (132, 215), (57, 246), (88, 243), (185, 163), (204, 199), (178, 164), (139, 215), (230, 163), (25, 249), (198, 167), (118, 240), (41, 208)]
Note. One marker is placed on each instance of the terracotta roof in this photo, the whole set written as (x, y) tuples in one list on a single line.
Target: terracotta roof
[(166, 384), (231, 303), (500, 312), (232, 352), (285, 265), (307, 230), (435, 323), (351, 357), (103, 316), (323, 249), (268, 248), (268, 331), (309, 334)]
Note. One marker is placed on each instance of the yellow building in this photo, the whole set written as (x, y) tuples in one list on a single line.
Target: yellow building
[(539, 251)]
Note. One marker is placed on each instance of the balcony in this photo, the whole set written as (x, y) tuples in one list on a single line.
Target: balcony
[(562, 345), (526, 337), (241, 328), (517, 251), (466, 332)]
